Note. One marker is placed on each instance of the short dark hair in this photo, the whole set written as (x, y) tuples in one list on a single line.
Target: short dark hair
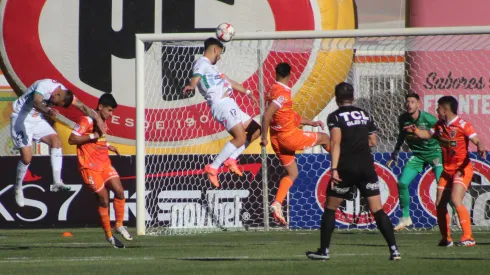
[(283, 69), (107, 100), (412, 94), (451, 101), (68, 100), (344, 92), (212, 41)]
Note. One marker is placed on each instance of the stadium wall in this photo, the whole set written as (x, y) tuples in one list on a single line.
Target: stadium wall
[(78, 208)]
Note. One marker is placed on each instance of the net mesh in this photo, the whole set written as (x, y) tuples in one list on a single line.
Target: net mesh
[(182, 137)]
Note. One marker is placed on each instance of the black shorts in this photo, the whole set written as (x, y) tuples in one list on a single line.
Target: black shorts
[(365, 179)]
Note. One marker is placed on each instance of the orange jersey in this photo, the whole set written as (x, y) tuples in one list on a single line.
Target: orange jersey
[(92, 155), (454, 137), (285, 119)]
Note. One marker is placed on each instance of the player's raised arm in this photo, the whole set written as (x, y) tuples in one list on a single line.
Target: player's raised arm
[(89, 112), (266, 121), (239, 88), (423, 134)]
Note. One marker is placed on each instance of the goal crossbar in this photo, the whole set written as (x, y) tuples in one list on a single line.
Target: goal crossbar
[(141, 39)]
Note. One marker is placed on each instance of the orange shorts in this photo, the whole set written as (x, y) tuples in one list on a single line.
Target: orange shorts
[(96, 179), (461, 176), (285, 144)]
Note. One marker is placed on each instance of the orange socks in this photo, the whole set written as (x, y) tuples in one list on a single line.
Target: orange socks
[(119, 211), (106, 221), (443, 222), (464, 220), (284, 186)]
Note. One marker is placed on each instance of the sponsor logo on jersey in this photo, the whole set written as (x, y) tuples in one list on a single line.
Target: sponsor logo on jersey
[(372, 186)]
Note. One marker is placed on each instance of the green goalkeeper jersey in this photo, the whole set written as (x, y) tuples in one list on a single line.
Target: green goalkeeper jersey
[(419, 147)]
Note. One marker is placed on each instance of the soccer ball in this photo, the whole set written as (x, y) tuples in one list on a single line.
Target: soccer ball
[(225, 32)]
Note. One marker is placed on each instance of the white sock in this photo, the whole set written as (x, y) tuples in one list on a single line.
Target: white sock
[(223, 155), (56, 163), (21, 173), (240, 150)]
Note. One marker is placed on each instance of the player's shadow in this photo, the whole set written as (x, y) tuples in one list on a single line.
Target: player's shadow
[(14, 247), (452, 258), (361, 244), (238, 259)]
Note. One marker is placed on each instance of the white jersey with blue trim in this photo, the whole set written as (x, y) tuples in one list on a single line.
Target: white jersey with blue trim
[(44, 87), (213, 84)]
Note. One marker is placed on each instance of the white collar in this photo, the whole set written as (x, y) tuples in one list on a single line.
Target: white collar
[(452, 121)]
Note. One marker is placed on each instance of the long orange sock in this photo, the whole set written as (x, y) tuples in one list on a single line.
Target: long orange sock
[(106, 221), (443, 222), (119, 211), (284, 186), (464, 220)]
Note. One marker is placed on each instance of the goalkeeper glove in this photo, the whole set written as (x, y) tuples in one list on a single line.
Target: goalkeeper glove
[(393, 158)]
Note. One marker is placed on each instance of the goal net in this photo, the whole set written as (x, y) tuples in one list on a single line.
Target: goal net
[(180, 137)]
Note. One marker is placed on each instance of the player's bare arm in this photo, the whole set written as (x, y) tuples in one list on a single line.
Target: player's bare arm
[(113, 148), (42, 108), (423, 134), (335, 139), (318, 123), (266, 121), (480, 147), (90, 113), (239, 88), (82, 139), (193, 84)]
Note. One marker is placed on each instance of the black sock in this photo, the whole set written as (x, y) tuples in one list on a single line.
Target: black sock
[(327, 227), (386, 228)]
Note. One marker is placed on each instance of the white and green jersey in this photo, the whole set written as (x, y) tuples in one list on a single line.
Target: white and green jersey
[(44, 87), (213, 84)]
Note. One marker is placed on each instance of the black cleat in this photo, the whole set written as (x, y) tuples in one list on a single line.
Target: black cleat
[(394, 254), (446, 243), (115, 242), (318, 255)]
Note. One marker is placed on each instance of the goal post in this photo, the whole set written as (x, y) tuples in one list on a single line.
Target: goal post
[(176, 135)]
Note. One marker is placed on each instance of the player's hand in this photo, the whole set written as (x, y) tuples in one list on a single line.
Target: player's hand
[(253, 98), (481, 151), (113, 149), (410, 128), (53, 113), (393, 158), (318, 123), (187, 89), (264, 142), (335, 179)]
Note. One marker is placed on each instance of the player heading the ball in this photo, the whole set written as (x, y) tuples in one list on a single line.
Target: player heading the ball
[(217, 89), (96, 168), (28, 122)]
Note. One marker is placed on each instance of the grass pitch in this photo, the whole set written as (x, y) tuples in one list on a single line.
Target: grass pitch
[(46, 252)]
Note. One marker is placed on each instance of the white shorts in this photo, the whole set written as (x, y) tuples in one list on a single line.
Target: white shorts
[(227, 112), (24, 128)]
